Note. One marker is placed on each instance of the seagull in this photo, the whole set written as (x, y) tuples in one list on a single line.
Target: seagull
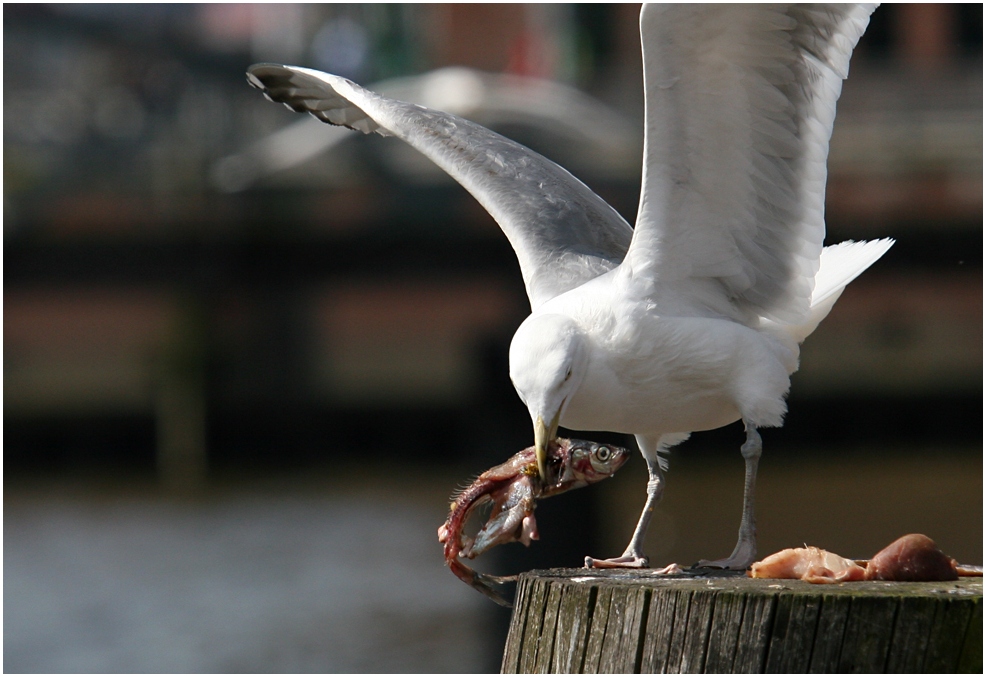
[(692, 319)]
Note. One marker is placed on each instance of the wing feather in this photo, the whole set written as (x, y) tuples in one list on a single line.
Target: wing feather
[(740, 102), (562, 232)]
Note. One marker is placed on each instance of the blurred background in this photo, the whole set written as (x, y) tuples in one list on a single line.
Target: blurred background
[(247, 357)]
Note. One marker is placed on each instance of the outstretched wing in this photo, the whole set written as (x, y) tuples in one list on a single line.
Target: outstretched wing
[(562, 232), (740, 102)]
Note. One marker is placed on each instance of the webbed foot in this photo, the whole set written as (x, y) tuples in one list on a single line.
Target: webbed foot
[(622, 562), (630, 562), (727, 563), (743, 556)]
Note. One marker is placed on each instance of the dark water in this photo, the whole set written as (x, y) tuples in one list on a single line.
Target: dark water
[(250, 581)]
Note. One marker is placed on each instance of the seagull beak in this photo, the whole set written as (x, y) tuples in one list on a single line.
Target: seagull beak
[(543, 436)]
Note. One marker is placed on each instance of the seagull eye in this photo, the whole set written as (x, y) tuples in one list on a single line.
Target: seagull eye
[(568, 374)]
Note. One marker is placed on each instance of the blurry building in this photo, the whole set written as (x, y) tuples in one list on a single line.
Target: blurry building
[(152, 320)]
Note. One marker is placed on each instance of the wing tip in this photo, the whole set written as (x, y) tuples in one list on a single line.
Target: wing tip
[(328, 98)]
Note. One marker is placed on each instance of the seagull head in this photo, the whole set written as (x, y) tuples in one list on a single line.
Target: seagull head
[(548, 358)]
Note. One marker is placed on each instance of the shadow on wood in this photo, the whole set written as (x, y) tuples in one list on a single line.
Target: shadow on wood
[(577, 620)]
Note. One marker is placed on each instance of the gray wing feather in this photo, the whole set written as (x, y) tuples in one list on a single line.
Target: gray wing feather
[(562, 232)]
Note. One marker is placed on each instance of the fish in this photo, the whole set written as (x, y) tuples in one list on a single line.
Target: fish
[(514, 487)]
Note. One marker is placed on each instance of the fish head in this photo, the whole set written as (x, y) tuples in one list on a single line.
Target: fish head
[(577, 463)]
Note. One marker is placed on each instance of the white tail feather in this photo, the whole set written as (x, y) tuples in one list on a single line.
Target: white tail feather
[(839, 265)]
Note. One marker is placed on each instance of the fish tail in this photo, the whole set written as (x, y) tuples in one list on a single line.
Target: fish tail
[(481, 582)]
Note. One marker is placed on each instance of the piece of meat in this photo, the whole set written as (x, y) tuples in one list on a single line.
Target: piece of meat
[(913, 557), (810, 564)]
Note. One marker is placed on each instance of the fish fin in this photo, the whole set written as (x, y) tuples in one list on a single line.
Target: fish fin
[(459, 490)]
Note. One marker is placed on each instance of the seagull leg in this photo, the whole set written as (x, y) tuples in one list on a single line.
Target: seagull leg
[(745, 552), (633, 557)]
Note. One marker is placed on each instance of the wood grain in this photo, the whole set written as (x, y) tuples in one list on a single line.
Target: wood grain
[(575, 620)]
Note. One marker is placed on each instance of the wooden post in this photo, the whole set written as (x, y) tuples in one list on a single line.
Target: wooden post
[(579, 620)]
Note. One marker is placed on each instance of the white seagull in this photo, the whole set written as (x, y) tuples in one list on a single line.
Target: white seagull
[(694, 318)]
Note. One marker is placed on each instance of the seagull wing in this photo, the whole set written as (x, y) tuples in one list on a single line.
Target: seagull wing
[(562, 232), (740, 102)]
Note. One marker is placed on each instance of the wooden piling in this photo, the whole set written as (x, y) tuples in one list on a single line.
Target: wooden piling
[(579, 620)]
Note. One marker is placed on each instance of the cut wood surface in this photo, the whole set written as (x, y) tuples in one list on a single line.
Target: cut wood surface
[(579, 620)]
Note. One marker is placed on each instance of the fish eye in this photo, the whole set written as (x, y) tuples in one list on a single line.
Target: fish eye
[(603, 453)]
